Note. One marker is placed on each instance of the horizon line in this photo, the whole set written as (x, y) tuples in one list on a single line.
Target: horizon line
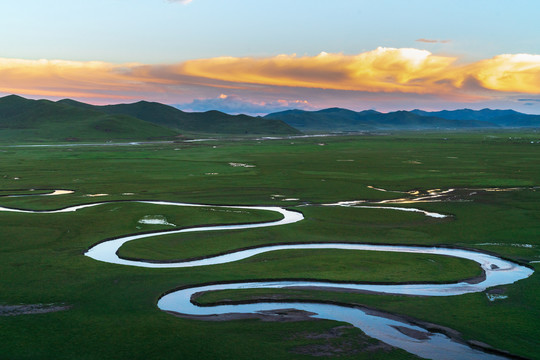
[(177, 106)]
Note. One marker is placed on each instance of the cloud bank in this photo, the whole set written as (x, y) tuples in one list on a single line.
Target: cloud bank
[(383, 72)]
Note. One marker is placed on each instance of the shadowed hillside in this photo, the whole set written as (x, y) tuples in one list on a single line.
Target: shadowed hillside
[(213, 122), (336, 119), (23, 120), (504, 118)]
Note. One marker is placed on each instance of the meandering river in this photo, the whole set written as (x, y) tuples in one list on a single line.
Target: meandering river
[(388, 329)]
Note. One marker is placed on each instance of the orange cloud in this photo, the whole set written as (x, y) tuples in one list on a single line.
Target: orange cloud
[(508, 73), (433, 41), (383, 70), (63, 78)]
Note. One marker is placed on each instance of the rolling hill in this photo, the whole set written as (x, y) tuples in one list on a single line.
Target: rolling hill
[(339, 120), (503, 118), (212, 122), (24, 120)]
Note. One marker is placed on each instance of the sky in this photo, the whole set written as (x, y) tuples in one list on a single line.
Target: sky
[(256, 57)]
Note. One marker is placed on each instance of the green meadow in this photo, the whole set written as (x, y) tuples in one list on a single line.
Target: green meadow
[(109, 311)]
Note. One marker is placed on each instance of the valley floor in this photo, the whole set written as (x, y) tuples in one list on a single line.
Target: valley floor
[(51, 292)]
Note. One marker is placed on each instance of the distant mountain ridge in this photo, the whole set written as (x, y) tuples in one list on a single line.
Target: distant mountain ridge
[(24, 120), (212, 122), (502, 118), (339, 120)]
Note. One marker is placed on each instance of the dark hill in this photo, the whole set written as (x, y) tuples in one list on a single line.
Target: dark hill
[(23, 120), (337, 120), (213, 122), (466, 114), (410, 121), (503, 118), (328, 120), (153, 112)]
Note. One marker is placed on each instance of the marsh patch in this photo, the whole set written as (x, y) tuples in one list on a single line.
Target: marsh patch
[(338, 341), (30, 309)]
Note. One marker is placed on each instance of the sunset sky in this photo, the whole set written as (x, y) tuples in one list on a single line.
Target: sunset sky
[(262, 56)]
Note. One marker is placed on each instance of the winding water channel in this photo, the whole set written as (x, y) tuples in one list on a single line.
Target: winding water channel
[(388, 329)]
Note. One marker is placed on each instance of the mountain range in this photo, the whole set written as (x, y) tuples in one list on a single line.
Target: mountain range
[(339, 120), (25, 120)]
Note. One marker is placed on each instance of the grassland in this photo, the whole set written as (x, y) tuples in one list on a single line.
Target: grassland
[(112, 309)]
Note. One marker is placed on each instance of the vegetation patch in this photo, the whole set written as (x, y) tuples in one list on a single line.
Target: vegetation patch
[(15, 310), (338, 341)]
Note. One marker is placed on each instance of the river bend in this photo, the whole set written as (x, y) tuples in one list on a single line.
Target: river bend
[(387, 329)]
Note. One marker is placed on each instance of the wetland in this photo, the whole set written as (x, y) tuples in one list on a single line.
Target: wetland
[(44, 262)]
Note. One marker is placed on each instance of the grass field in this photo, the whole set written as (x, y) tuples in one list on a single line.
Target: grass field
[(111, 310)]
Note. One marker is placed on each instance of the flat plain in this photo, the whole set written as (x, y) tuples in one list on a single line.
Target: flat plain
[(106, 311)]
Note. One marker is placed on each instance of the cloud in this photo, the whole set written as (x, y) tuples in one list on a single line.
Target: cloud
[(507, 73), (432, 41), (384, 72), (64, 78), (383, 69), (530, 100), (233, 104), (185, 2)]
